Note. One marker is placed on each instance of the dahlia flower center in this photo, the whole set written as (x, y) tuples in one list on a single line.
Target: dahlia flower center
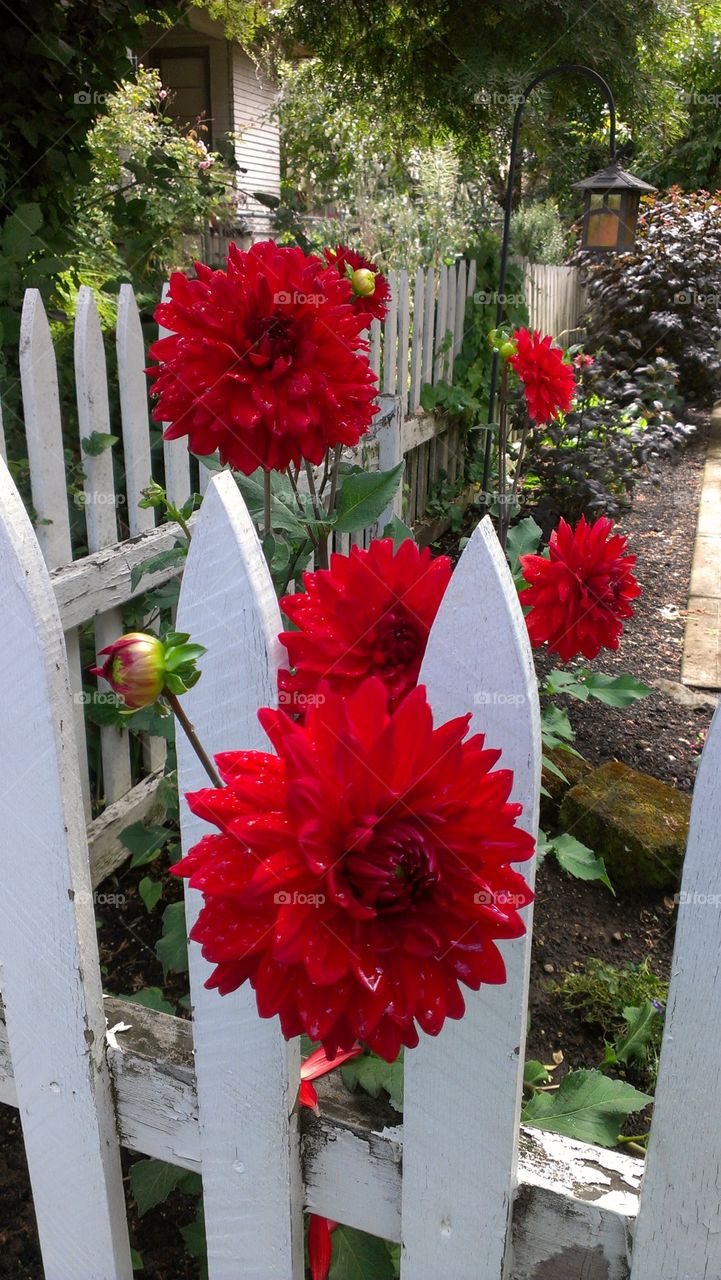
[(272, 338), (395, 643), (389, 865)]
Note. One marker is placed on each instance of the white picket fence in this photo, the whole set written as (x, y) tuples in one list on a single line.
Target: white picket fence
[(467, 1195), (417, 344)]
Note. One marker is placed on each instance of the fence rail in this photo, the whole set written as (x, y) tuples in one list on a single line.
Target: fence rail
[(454, 1183)]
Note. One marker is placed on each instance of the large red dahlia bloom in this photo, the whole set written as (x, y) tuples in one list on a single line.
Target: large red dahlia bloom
[(265, 362), (362, 873), (368, 614), (547, 380), (371, 291), (581, 593)]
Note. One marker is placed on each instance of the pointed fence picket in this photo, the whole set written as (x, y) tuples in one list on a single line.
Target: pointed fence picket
[(451, 1183)]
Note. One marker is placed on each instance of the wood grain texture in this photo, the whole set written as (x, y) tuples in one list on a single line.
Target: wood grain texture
[(463, 1089), (247, 1075), (50, 972), (133, 389), (679, 1226)]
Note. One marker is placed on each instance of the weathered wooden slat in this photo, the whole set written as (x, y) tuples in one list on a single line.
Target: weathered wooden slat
[(48, 482), (390, 453), (105, 850), (574, 1202), (84, 588), (176, 459), (133, 388), (679, 1226), (428, 327), (247, 1074), (101, 503), (451, 321), (404, 324), (463, 1089), (390, 338), (417, 342), (441, 324), (460, 308), (50, 967)]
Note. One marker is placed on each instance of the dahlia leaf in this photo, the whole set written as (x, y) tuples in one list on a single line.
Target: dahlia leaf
[(535, 1074), (641, 1024), (374, 1075), (357, 1256), (616, 691), (150, 998), (172, 948), (163, 560), (152, 1181), (588, 1106), (144, 842), (580, 861), (151, 891), (98, 442), (398, 531), (567, 682), (284, 513), (522, 540), (364, 496)]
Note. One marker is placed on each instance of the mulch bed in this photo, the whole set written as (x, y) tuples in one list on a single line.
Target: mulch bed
[(573, 920)]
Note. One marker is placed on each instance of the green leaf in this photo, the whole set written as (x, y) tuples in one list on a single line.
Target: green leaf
[(522, 540), (151, 891), (373, 1074), (357, 1256), (398, 531), (566, 682), (364, 496), (284, 513), (534, 1073), (163, 560), (588, 1106), (556, 730), (429, 398), (151, 998), (98, 442), (172, 948), (616, 691), (136, 1260), (152, 1181), (641, 1024), (194, 1236), (580, 861), (144, 842)]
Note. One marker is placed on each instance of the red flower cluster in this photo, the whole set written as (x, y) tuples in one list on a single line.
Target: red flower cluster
[(547, 380), (579, 596), (371, 292), (361, 874), (265, 362), (368, 614)]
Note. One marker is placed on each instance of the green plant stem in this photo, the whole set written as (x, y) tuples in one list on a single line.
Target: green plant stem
[(502, 445), (174, 703), (267, 498), (293, 565), (322, 538), (516, 478), (334, 478)]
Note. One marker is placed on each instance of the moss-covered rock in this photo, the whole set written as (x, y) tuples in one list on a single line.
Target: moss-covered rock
[(637, 824), (575, 769)]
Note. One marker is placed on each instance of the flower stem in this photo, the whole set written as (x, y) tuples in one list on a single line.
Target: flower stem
[(334, 478), (267, 494), (322, 537), (174, 703)]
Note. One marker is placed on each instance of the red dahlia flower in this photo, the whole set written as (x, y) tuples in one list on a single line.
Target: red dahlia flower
[(320, 1245), (371, 292), (362, 873), (547, 380), (319, 1064), (368, 614), (581, 593), (265, 362)]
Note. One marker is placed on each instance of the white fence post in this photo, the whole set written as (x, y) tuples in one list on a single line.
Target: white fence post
[(678, 1232), (48, 482), (463, 1090), (50, 974), (247, 1074), (389, 434), (101, 520)]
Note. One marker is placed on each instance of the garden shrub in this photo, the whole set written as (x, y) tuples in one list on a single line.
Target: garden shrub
[(538, 234), (663, 298), (587, 461)]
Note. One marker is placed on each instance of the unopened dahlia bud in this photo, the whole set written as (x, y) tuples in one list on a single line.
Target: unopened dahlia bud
[(134, 668), (364, 282)]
